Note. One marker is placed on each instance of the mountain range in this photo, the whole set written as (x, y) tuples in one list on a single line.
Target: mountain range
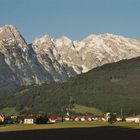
[(100, 72), (49, 59)]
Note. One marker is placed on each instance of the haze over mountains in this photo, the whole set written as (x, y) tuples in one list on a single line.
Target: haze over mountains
[(53, 59)]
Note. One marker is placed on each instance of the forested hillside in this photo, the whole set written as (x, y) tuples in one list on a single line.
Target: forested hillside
[(112, 87)]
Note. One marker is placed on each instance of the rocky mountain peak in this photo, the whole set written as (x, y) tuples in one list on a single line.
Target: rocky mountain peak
[(18, 58), (10, 37), (63, 41), (9, 31)]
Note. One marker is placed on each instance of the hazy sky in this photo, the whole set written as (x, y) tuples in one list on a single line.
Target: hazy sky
[(73, 18)]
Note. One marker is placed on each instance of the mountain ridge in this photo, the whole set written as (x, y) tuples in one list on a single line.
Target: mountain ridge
[(56, 59)]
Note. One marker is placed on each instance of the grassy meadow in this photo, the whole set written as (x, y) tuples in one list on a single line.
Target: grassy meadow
[(59, 125)]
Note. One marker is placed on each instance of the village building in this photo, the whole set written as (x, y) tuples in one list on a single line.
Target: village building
[(76, 118), (1, 119), (82, 118), (52, 119), (67, 118), (88, 118), (119, 119), (133, 119), (29, 120)]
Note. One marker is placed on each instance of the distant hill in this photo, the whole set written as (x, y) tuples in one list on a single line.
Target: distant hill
[(111, 87)]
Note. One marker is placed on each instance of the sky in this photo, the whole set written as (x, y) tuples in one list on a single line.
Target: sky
[(75, 19)]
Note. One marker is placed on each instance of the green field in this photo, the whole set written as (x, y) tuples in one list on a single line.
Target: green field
[(9, 111), (21, 127), (78, 109), (90, 110)]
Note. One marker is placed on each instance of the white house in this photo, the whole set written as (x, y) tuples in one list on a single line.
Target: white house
[(52, 119), (88, 118), (76, 118), (82, 118), (119, 119), (66, 118), (103, 119), (95, 118), (28, 121), (1, 119), (133, 119)]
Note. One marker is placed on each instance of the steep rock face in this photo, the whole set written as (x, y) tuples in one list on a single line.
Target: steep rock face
[(53, 59), (64, 58), (56, 56), (24, 70), (5, 71)]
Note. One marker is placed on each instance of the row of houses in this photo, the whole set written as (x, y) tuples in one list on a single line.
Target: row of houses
[(31, 119), (135, 119), (42, 119), (24, 119)]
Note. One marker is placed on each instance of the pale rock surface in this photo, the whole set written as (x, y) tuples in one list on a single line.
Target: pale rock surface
[(55, 59)]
